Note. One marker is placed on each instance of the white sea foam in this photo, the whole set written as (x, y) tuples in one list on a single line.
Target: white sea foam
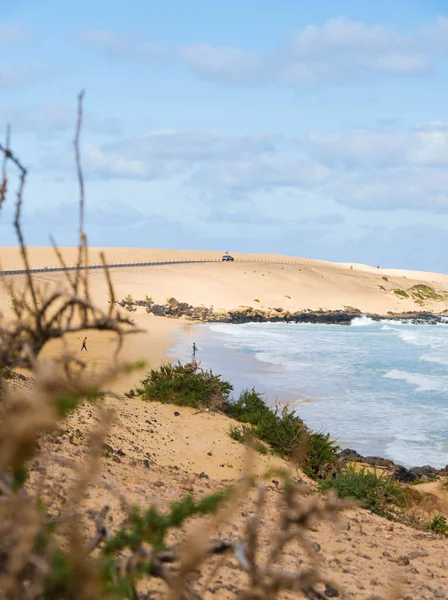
[(423, 383), (409, 454), (362, 321), (435, 358)]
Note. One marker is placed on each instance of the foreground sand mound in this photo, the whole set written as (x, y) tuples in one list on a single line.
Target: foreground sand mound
[(153, 456)]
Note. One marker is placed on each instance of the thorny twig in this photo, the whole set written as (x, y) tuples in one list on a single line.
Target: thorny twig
[(54, 315)]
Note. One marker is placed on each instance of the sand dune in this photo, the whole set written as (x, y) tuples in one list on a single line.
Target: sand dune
[(228, 285)]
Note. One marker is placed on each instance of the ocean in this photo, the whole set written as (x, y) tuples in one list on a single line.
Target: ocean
[(380, 388)]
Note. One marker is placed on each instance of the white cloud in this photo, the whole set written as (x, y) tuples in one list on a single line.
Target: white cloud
[(408, 187), (263, 171), (364, 148), (222, 63), (366, 170), (427, 144), (50, 118), (339, 50), (132, 46), (16, 76)]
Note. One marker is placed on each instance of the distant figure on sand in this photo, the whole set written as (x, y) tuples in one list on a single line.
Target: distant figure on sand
[(195, 348), (84, 345)]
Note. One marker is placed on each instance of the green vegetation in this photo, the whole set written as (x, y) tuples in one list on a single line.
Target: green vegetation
[(321, 455), (148, 300), (376, 492), (439, 525), (143, 527), (129, 298), (281, 429), (256, 300), (422, 293), (278, 430), (284, 432), (289, 297), (184, 385)]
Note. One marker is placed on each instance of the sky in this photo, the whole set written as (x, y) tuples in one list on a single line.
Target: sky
[(309, 129)]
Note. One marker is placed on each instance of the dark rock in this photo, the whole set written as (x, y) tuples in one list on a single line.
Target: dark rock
[(331, 592), (425, 471), (349, 455), (203, 475), (176, 413), (275, 482), (404, 475), (377, 461), (146, 463), (120, 452)]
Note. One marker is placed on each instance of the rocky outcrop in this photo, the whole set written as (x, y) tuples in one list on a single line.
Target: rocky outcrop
[(398, 472), (248, 314)]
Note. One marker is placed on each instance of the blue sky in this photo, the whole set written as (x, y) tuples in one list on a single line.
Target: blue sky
[(317, 130)]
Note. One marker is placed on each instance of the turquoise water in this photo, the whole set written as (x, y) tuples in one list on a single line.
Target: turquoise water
[(378, 387)]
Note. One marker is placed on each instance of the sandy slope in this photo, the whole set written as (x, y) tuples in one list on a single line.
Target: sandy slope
[(154, 456), (229, 285)]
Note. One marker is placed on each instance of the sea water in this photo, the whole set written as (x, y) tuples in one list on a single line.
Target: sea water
[(380, 388)]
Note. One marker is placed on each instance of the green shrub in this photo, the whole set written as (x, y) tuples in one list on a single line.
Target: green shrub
[(376, 492), (280, 429), (256, 300), (321, 455), (129, 298), (401, 293), (439, 525), (184, 385), (422, 292)]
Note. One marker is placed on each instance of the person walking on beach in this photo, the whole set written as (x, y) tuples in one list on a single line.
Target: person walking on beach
[(195, 348), (84, 345)]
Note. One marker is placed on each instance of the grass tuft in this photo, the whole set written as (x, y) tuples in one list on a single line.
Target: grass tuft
[(376, 492)]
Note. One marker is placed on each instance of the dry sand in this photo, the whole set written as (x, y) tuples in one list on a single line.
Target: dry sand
[(154, 457), (224, 285)]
